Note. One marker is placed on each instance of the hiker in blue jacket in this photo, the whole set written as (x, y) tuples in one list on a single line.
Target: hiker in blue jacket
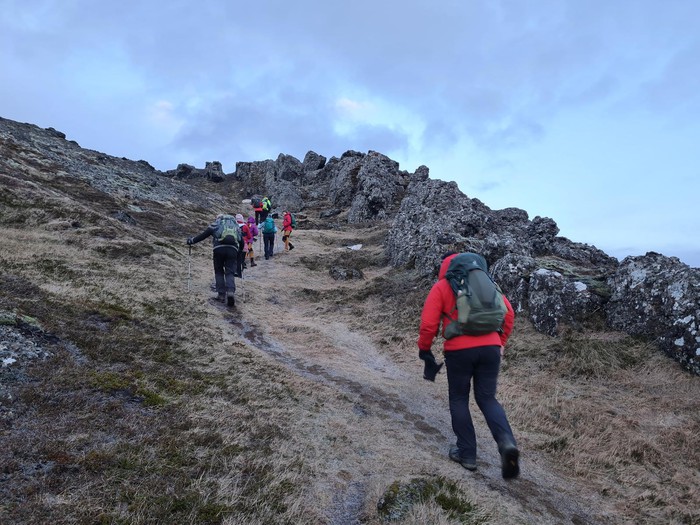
[(269, 229), (225, 256)]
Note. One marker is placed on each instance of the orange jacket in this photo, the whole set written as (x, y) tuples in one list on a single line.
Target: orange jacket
[(440, 306)]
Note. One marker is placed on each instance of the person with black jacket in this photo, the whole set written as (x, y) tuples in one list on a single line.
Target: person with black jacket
[(225, 256)]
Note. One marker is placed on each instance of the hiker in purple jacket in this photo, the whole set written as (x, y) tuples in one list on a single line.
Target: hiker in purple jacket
[(252, 237)]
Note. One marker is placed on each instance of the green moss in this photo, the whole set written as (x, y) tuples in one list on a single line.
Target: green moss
[(109, 381), (8, 319), (399, 498), (594, 280), (456, 507), (211, 513), (14, 319), (151, 399)]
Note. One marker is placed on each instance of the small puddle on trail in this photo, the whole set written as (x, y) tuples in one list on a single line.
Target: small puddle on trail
[(367, 397)]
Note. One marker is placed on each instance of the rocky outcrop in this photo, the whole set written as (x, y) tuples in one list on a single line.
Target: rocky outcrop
[(552, 280), (370, 185), (313, 161), (436, 217), (212, 171), (378, 190), (658, 297)]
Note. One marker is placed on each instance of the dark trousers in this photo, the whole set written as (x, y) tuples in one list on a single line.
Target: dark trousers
[(269, 243), (240, 259), (263, 216), (482, 365), (225, 267)]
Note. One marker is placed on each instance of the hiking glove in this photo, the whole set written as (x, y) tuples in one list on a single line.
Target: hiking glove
[(431, 368), (189, 241)]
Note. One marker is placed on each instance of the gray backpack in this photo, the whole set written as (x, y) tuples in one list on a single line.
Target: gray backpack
[(480, 306)]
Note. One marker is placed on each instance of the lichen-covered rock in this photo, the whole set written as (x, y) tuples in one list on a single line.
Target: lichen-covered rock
[(313, 161), (552, 298), (377, 187), (658, 297), (286, 196), (512, 273), (214, 171), (288, 168), (343, 178), (256, 176)]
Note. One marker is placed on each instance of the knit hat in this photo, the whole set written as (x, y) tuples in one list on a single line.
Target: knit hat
[(251, 220), (239, 218)]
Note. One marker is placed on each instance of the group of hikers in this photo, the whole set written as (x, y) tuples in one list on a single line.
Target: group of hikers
[(233, 242), (465, 306)]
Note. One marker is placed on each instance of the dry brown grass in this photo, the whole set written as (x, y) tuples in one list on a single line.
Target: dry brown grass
[(305, 404)]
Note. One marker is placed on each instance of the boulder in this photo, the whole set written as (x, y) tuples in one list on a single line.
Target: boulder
[(288, 168), (313, 161), (214, 171), (658, 297), (257, 177), (378, 186)]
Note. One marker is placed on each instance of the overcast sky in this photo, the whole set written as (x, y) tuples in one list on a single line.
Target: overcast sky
[(585, 111)]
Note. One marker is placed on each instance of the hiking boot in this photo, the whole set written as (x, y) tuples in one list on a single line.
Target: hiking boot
[(253, 263), (221, 297), (454, 456), (509, 460), (230, 299), (291, 246)]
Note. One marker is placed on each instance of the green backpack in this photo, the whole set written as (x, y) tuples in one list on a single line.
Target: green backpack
[(228, 232), (480, 306), (294, 221)]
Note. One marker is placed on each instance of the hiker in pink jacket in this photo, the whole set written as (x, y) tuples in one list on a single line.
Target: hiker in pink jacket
[(250, 239)]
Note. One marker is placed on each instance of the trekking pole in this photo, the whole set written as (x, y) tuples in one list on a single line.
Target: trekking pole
[(189, 267)]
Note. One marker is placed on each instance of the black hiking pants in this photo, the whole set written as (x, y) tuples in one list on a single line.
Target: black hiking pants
[(269, 243), (225, 268), (239, 263), (480, 364)]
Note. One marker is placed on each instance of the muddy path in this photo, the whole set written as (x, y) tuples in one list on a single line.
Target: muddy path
[(385, 423)]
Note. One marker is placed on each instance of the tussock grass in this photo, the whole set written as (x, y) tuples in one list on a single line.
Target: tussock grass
[(595, 356), (611, 410)]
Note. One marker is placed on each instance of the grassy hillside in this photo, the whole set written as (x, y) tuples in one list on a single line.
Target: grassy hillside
[(305, 403)]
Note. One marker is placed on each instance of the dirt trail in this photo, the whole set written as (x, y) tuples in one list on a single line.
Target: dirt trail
[(384, 423)]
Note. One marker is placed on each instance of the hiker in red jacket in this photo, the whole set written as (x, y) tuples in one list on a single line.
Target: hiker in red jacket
[(256, 203), (287, 231), (468, 357)]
